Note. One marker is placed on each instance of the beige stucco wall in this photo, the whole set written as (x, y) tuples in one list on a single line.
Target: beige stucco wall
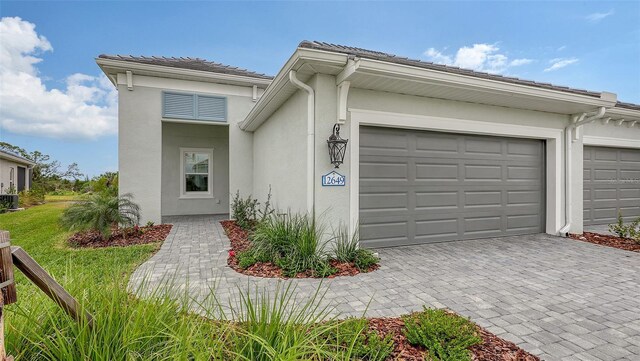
[(140, 142), (280, 156), (176, 136)]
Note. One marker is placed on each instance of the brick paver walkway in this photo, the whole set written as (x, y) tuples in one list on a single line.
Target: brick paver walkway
[(557, 298)]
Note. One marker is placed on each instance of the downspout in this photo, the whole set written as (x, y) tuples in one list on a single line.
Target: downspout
[(569, 130), (311, 164)]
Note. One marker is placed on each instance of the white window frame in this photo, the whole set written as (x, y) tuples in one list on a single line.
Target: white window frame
[(183, 191)]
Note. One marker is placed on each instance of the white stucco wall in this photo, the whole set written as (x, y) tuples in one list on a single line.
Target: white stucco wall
[(279, 156), (176, 136), (5, 175), (141, 135)]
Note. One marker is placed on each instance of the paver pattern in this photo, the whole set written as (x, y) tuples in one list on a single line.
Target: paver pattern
[(557, 298)]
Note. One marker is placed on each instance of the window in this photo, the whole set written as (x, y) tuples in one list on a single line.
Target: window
[(196, 172), (194, 106)]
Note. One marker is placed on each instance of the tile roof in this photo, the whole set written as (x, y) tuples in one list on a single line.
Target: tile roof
[(628, 106), (188, 63), (377, 55)]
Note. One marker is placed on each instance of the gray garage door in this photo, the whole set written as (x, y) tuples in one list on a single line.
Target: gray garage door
[(611, 184), (421, 187)]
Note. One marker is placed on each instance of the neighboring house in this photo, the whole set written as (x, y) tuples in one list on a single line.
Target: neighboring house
[(15, 172), (435, 153)]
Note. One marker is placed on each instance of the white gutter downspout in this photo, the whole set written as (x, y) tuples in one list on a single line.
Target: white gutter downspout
[(570, 129), (311, 142)]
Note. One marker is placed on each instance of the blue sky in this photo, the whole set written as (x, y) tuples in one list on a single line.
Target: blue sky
[(590, 45)]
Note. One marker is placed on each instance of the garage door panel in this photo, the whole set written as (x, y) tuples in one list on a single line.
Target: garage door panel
[(453, 187), (611, 184)]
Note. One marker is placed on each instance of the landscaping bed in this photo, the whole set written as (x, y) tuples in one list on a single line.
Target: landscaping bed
[(626, 244), (491, 348), (239, 239), (121, 237)]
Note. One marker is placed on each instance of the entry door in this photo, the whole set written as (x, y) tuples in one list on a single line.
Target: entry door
[(22, 176), (422, 187)]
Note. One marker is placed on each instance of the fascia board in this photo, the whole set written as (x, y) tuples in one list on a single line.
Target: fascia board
[(380, 68), (624, 113), (16, 159), (121, 66)]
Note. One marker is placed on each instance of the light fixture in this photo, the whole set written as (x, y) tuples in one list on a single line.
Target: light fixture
[(337, 146)]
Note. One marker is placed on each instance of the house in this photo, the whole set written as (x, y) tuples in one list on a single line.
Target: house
[(434, 153), (15, 173)]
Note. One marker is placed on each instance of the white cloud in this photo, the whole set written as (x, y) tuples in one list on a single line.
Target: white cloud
[(559, 63), (479, 57), (597, 17), (562, 48), (86, 109)]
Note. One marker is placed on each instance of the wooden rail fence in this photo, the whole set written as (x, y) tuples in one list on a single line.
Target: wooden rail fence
[(10, 256)]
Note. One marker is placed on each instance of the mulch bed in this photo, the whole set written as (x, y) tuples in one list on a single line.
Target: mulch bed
[(239, 239), (607, 240), (147, 234), (492, 348)]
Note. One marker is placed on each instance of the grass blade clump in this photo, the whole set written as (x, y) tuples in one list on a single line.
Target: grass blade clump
[(347, 249), (293, 242)]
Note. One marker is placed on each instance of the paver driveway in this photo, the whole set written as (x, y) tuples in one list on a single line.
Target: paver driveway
[(560, 299)]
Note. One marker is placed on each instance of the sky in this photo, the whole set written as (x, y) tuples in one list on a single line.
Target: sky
[(54, 98)]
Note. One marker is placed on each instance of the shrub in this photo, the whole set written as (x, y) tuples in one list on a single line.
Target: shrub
[(293, 242), (631, 230), (619, 227), (347, 249), (446, 336), (247, 212), (246, 259), (100, 212), (354, 340), (31, 197)]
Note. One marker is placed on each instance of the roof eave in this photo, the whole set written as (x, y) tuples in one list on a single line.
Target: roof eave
[(378, 67), (17, 159), (112, 67), (301, 56)]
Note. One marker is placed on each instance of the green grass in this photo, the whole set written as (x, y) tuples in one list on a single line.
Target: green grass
[(61, 198), (37, 231)]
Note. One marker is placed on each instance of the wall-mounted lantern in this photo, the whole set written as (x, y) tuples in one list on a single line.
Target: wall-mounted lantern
[(337, 147)]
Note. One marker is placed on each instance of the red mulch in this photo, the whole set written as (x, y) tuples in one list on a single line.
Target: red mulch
[(607, 240), (147, 234), (239, 239), (492, 348)]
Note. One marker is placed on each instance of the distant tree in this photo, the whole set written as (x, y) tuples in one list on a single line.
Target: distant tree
[(48, 174)]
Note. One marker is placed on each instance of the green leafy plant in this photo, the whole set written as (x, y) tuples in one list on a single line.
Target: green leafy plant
[(247, 211), (31, 197), (347, 249), (150, 224), (293, 242), (11, 189), (101, 212), (246, 259), (446, 336), (5, 206), (619, 228), (622, 230)]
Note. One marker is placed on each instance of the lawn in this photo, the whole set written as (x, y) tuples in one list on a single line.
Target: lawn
[(36, 230)]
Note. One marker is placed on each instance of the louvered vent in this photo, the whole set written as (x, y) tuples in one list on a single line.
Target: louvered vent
[(193, 106), (176, 105), (212, 108)]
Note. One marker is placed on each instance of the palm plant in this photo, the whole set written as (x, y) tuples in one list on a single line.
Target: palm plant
[(100, 212)]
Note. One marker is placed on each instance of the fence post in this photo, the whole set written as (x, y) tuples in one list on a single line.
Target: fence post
[(7, 286)]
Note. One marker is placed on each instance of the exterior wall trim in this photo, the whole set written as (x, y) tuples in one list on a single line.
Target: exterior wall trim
[(610, 142), (552, 137)]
